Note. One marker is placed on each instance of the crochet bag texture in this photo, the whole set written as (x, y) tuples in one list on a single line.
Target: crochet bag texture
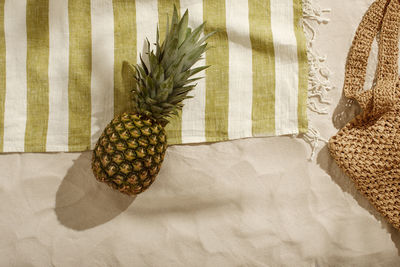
[(368, 147)]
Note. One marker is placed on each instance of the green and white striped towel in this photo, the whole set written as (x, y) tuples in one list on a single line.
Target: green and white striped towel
[(61, 60)]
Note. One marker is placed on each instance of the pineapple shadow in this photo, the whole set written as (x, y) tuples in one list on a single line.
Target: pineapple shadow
[(82, 202)]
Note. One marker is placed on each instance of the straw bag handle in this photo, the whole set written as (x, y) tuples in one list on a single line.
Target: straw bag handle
[(384, 16)]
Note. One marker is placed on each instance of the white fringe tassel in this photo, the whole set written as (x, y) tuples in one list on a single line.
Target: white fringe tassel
[(313, 137), (319, 84), (319, 74)]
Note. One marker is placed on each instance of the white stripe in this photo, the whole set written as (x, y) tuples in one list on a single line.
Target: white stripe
[(146, 23), (193, 112), (57, 134), (285, 44), (16, 87), (102, 91), (240, 69)]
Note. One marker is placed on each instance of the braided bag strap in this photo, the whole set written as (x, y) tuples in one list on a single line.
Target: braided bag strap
[(384, 16), (357, 60), (384, 93)]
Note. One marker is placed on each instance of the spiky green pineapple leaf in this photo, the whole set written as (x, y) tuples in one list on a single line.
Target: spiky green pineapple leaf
[(162, 84), (183, 28), (168, 85)]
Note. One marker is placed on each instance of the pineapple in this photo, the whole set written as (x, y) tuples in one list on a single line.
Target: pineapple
[(130, 151)]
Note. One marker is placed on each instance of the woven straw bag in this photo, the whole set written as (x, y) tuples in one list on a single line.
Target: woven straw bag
[(368, 147)]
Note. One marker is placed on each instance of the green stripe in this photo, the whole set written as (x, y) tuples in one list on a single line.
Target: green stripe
[(303, 66), (2, 74), (124, 49), (37, 66), (263, 112), (80, 68), (174, 128), (217, 76)]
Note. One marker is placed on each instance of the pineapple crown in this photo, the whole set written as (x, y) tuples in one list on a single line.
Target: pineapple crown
[(160, 86)]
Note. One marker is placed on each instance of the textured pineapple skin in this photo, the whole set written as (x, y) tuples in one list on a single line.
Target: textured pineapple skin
[(129, 153)]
